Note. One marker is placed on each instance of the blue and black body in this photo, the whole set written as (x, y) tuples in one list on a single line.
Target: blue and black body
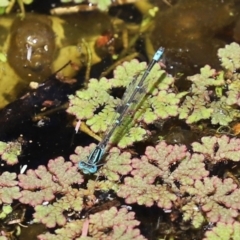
[(90, 166)]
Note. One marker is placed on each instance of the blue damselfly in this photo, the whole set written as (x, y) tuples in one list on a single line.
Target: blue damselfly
[(90, 166)]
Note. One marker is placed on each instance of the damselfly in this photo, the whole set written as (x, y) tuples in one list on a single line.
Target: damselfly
[(90, 166)]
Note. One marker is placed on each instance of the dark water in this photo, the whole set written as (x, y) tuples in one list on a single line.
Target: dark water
[(191, 32)]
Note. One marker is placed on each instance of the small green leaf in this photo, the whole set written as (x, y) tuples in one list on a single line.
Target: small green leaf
[(201, 113), (6, 209), (134, 134), (50, 215), (10, 151), (221, 232), (8, 194), (135, 190), (117, 164), (191, 212), (230, 56), (222, 114), (219, 149)]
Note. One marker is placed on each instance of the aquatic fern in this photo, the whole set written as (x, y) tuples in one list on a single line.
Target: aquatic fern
[(43, 183), (223, 231), (222, 113), (71, 230), (198, 104), (8, 188), (10, 151), (136, 190), (230, 56), (218, 149), (121, 225), (160, 103), (215, 196), (177, 180)]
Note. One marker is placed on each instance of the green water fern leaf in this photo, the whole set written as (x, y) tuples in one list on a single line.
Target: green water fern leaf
[(97, 106), (230, 56)]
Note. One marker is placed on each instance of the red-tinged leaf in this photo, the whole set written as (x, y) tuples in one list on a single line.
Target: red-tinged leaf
[(70, 231), (135, 190), (44, 183), (35, 179), (214, 196), (109, 220), (50, 215), (117, 164), (143, 169), (37, 197), (157, 161), (7, 179), (163, 152), (217, 213), (8, 189), (8, 194), (73, 199), (219, 149), (232, 201), (123, 232), (64, 172), (190, 169)]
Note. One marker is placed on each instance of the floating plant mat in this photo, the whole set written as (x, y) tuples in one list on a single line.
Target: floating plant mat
[(162, 184)]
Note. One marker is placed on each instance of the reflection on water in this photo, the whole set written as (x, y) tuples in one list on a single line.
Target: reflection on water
[(192, 31)]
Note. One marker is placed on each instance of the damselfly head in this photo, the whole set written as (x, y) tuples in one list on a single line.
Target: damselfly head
[(87, 168)]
